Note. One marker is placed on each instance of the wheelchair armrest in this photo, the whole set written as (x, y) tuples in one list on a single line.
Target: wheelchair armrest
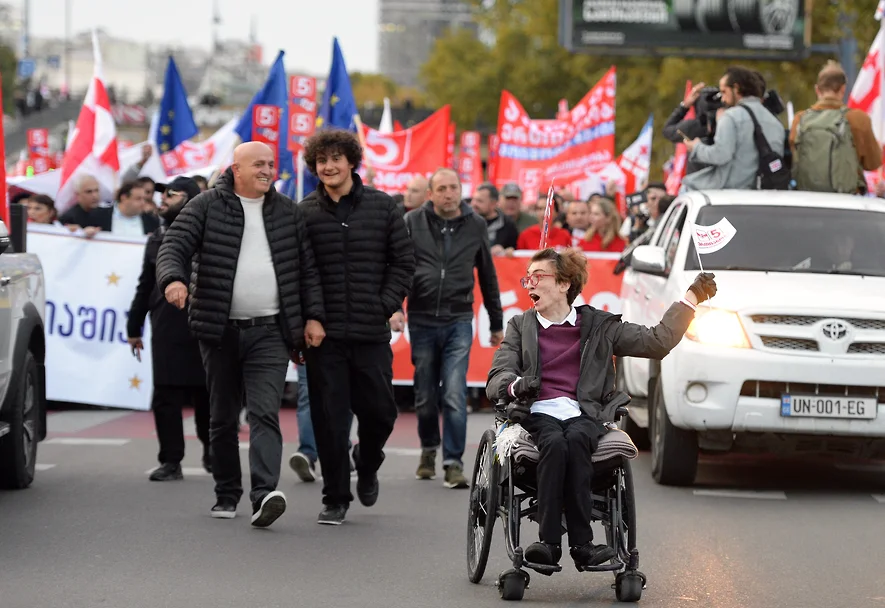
[(621, 412)]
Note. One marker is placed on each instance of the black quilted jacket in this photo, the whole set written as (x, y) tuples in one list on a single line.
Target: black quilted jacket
[(366, 261), (204, 243)]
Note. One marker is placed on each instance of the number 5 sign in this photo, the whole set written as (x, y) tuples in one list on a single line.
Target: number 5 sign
[(302, 111), (266, 129)]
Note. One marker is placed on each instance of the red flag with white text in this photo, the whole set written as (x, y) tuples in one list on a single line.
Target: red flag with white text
[(680, 157)]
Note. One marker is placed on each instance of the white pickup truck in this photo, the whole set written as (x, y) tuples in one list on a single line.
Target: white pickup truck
[(789, 357), (22, 355)]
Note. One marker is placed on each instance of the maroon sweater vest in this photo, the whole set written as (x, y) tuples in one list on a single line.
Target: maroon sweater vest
[(560, 360)]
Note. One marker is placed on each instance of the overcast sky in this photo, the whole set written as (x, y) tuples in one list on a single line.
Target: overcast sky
[(303, 28)]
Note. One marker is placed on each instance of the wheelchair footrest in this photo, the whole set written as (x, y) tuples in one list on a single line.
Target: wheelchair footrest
[(544, 569), (601, 568)]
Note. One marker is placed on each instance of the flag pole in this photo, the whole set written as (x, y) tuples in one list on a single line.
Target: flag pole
[(359, 132), (299, 172)]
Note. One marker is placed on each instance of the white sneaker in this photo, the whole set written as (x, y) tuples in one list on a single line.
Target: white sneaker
[(272, 506), (303, 467)]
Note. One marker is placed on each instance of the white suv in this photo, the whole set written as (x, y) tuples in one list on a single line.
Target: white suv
[(789, 356), (22, 353)]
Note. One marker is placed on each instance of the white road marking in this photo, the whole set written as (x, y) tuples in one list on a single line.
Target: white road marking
[(742, 494), (77, 421), (403, 451), (244, 445), (85, 441), (43, 467), (880, 498)]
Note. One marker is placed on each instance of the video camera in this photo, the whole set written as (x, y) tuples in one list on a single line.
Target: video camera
[(710, 100), (637, 205)]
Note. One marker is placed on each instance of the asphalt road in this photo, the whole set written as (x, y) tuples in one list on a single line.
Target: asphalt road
[(94, 532)]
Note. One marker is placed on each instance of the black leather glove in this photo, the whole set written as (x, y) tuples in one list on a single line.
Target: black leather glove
[(704, 287), (517, 411), (527, 388)]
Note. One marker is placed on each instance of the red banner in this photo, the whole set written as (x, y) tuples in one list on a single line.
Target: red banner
[(450, 147), (266, 129), (680, 157), (469, 162), (398, 157), (302, 111), (38, 143), (602, 292), (533, 153), (492, 162)]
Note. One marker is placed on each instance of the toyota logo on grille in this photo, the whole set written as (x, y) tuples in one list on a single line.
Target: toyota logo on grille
[(835, 330)]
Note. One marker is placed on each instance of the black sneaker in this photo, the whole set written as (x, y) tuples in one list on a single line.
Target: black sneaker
[(225, 508), (167, 472), (207, 459), (367, 489), (303, 467), (589, 555), (545, 554), (332, 515), (267, 511)]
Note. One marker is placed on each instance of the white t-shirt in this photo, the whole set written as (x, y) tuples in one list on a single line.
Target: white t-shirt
[(122, 225), (255, 293)]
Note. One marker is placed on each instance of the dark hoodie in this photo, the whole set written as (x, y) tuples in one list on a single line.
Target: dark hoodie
[(446, 252)]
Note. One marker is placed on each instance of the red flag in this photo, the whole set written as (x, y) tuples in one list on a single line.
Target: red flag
[(4, 204), (93, 147), (548, 217), (680, 158)]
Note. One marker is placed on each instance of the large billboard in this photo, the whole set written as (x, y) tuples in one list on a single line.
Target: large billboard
[(773, 29)]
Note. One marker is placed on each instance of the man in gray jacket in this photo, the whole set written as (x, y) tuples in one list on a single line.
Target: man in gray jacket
[(732, 158)]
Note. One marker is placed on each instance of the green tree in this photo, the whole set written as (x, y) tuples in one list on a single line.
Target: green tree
[(8, 69), (520, 52)]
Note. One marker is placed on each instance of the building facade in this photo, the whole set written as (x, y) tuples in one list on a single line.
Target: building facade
[(407, 31)]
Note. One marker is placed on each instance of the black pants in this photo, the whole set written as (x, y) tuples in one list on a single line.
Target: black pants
[(346, 377), (249, 367), (565, 472), (166, 405)]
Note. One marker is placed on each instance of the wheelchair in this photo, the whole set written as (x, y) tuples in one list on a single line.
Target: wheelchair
[(506, 489)]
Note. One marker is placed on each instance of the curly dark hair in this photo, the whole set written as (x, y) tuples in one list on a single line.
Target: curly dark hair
[(570, 267), (331, 141), (748, 82)]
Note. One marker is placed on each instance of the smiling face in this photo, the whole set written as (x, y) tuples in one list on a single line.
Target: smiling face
[(333, 169), (546, 294), (254, 169)]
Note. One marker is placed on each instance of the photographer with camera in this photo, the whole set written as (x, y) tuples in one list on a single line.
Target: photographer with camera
[(733, 157), (643, 210), (705, 101)]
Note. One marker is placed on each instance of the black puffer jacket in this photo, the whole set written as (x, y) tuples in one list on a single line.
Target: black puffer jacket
[(204, 242), (366, 261)]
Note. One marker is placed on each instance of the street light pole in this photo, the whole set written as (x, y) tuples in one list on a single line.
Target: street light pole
[(26, 29), (68, 46)]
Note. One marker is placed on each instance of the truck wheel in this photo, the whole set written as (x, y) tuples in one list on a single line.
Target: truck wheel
[(18, 448), (674, 451)]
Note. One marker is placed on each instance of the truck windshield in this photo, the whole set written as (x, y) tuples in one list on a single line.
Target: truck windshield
[(796, 239)]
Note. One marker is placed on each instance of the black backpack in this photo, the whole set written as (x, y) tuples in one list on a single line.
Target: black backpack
[(772, 173)]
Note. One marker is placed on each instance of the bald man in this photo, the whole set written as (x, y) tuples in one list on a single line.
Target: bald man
[(416, 193), (255, 301)]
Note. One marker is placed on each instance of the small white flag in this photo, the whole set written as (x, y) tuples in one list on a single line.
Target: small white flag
[(709, 239), (880, 10)]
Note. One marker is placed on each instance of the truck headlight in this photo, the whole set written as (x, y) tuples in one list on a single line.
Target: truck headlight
[(717, 327)]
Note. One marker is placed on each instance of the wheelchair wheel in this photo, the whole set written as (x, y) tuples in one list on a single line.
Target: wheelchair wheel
[(483, 507), (628, 587)]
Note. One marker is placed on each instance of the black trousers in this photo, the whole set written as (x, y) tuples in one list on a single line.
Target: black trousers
[(166, 404), (346, 377), (565, 472), (249, 367)]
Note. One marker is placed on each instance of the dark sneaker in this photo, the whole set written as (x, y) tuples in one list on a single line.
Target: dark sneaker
[(207, 460), (455, 477), (303, 466), (367, 489), (427, 465), (332, 515), (269, 509), (543, 553), (167, 472), (225, 508), (592, 555)]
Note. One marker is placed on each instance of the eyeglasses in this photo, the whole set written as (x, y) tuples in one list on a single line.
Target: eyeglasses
[(173, 193), (533, 279)]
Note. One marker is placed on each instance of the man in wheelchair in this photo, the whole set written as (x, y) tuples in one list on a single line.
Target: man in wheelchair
[(556, 368)]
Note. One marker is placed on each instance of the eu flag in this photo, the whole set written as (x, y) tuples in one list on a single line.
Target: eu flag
[(273, 93), (338, 106), (175, 122)]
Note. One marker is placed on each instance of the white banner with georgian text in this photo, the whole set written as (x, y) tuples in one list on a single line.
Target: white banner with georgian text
[(90, 284)]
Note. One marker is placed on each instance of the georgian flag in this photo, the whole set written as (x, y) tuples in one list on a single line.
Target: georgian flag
[(635, 161)]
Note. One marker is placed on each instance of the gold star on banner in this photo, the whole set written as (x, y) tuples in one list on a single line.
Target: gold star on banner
[(171, 114), (114, 279), (135, 382), (165, 129), (285, 175), (319, 122), (164, 147), (335, 99)]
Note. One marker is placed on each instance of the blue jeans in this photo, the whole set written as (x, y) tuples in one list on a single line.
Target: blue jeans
[(306, 438), (440, 356)]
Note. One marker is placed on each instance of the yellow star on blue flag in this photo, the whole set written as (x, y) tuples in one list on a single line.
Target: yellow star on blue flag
[(175, 119)]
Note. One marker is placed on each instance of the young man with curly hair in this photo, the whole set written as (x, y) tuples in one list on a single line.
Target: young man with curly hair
[(366, 262)]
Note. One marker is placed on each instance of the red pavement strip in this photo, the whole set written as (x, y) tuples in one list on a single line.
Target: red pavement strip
[(140, 425)]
